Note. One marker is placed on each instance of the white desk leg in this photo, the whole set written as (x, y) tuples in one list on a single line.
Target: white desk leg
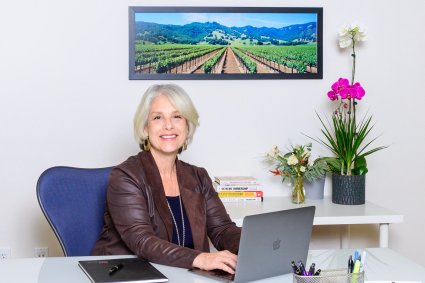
[(383, 235), (345, 236)]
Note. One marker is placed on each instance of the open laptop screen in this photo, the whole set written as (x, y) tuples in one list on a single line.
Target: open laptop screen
[(269, 242)]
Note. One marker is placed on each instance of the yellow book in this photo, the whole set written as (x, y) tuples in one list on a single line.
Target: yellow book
[(241, 194)]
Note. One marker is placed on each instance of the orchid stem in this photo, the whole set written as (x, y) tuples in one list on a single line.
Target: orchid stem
[(353, 73)]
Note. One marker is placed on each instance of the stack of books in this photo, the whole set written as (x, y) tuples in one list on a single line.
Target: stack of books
[(238, 188)]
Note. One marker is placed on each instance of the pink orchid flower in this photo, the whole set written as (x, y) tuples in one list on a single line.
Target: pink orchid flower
[(344, 93), (339, 85), (332, 95), (360, 92), (349, 92)]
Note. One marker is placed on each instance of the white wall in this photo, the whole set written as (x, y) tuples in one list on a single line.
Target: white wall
[(66, 100)]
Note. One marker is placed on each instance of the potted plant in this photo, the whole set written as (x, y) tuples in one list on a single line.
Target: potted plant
[(296, 166), (346, 136)]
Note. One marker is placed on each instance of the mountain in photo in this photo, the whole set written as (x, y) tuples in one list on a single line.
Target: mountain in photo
[(216, 34)]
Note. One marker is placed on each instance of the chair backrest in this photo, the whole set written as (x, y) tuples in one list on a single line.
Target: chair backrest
[(73, 201)]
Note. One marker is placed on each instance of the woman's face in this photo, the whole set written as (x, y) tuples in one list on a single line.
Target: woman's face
[(167, 128)]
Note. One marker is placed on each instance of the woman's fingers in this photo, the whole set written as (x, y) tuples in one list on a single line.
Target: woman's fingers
[(223, 260)]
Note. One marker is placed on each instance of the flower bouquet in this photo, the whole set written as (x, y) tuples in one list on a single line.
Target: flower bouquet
[(295, 166)]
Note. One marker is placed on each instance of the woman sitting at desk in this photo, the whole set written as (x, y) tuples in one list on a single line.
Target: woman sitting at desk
[(161, 208)]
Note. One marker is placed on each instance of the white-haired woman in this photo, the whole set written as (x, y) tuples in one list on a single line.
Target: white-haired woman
[(159, 207)]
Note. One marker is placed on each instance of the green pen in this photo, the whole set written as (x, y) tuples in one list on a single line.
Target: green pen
[(356, 268), (356, 271)]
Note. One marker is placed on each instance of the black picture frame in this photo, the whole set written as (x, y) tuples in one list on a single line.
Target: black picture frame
[(162, 38)]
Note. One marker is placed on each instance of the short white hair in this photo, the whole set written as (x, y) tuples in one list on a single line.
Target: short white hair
[(178, 97)]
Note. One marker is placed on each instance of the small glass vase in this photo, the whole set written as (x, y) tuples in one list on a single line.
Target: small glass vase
[(298, 190)]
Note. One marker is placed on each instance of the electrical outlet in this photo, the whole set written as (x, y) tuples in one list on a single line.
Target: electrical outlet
[(5, 253), (41, 252)]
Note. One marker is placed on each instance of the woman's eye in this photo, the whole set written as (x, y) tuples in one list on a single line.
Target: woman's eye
[(177, 116), (156, 117)]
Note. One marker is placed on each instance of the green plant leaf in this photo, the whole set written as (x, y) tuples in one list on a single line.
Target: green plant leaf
[(334, 164), (360, 166), (346, 140)]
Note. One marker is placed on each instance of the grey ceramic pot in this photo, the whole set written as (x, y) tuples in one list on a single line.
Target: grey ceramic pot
[(348, 190), (315, 189)]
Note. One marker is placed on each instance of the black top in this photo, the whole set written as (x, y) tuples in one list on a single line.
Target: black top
[(175, 208)]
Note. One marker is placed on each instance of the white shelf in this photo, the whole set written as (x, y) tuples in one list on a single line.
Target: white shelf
[(327, 213)]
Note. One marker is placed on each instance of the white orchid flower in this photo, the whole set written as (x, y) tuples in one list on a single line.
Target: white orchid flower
[(351, 33), (361, 34)]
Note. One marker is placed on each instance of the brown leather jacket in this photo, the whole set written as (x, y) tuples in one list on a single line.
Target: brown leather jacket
[(137, 219)]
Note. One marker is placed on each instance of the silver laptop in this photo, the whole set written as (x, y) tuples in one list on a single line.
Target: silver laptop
[(269, 242)]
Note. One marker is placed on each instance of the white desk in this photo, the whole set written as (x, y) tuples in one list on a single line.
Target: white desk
[(381, 265), (327, 213)]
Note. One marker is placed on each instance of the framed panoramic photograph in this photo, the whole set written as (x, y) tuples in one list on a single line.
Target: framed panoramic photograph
[(193, 43)]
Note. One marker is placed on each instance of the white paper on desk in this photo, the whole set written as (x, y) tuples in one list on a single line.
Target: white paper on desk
[(395, 281)]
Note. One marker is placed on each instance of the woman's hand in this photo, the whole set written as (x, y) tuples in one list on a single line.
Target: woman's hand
[(223, 260)]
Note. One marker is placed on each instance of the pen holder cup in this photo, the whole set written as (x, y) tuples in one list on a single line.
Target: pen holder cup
[(331, 276)]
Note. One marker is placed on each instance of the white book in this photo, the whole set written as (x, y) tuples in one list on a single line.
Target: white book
[(240, 187), (236, 180), (242, 199)]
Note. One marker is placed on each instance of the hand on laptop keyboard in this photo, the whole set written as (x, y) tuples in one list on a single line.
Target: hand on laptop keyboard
[(222, 260)]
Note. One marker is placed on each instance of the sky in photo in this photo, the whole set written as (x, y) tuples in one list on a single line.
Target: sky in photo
[(276, 20)]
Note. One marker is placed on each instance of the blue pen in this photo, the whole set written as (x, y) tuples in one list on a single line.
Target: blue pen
[(356, 254)]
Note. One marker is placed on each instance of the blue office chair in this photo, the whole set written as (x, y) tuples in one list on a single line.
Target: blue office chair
[(73, 201)]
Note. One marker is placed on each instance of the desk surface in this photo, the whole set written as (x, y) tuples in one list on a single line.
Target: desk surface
[(327, 212), (381, 265)]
